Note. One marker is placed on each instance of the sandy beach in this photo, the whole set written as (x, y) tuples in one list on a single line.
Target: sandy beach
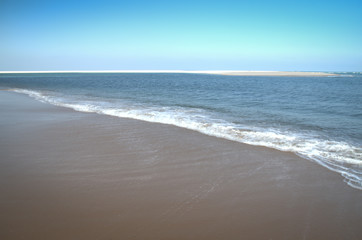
[(217, 72), (72, 175)]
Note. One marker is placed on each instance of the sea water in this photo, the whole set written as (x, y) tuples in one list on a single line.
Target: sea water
[(318, 118)]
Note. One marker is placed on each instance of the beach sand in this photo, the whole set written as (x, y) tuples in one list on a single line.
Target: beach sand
[(216, 72), (72, 175)]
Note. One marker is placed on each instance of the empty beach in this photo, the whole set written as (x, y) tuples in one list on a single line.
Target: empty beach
[(72, 175)]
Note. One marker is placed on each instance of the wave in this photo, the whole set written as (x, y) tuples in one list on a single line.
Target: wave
[(344, 74), (338, 156)]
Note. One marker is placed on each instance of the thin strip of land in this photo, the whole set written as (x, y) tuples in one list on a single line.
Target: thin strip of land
[(216, 72)]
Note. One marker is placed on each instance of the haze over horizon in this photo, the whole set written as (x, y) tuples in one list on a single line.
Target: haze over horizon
[(185, 35)]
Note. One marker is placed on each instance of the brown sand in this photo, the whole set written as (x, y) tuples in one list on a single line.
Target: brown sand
[(71, 175)]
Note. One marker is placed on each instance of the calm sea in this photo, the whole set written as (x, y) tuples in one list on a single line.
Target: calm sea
[(318, 118)]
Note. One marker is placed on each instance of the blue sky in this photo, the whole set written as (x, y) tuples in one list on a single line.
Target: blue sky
[(181, 35)]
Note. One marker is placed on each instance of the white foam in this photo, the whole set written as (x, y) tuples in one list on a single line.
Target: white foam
[(337, 156)]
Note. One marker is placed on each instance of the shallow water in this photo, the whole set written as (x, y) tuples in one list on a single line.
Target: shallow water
[(319, 118)]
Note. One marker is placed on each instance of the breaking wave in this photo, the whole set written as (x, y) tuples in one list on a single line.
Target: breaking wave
[(342, 157)]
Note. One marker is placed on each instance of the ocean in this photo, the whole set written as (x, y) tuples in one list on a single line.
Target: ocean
[(317, 118)]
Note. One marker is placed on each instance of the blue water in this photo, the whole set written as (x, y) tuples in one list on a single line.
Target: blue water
[(318, 118)]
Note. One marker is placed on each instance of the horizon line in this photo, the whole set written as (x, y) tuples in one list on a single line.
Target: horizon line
[(215, 72)]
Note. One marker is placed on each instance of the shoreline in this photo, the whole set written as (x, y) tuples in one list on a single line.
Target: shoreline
[(215, 72), (91, 176), (349, 177)]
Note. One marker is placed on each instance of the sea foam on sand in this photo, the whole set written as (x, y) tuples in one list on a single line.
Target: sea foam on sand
[(88, 176)]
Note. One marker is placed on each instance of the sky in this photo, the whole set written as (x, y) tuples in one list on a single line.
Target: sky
[(308, 35)]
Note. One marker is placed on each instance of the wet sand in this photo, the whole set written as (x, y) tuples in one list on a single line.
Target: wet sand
[(71, 175)]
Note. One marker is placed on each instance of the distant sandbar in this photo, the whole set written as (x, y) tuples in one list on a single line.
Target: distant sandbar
[(217, 72)]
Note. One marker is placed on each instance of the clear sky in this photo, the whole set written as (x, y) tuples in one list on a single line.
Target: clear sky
[(306, 35)]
